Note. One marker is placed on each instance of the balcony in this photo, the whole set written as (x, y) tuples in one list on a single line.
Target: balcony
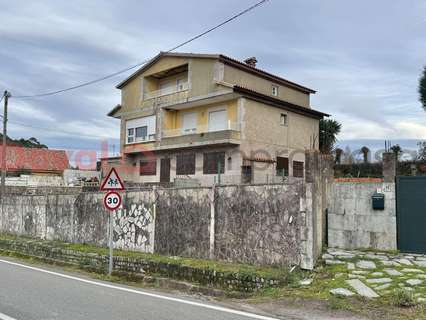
[(200, 136), (167, 96)]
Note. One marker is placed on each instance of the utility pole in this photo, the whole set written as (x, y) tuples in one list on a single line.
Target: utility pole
[(3, 154)]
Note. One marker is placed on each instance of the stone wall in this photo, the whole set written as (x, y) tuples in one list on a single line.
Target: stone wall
[(352, 222), (259, 224), (182, 226)]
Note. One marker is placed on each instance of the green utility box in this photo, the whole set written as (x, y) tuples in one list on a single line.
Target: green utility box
[(378, 200)]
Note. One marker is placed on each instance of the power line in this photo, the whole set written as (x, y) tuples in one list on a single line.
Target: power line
[(57, 130), (50, 93)]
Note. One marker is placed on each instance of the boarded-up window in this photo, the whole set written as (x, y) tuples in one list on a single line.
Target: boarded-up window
[(282, 166), (213, 161), (185, 164), (298, 169), (148, 167)]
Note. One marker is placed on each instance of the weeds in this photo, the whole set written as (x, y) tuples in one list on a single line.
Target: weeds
[(403, 298)]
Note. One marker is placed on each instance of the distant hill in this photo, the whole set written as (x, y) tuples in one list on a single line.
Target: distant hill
[(26, 143)]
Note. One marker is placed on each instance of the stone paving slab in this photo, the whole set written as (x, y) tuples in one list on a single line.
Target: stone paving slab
[(365, 264), (409, 270), (373, 273), (414, 282), (393, 272), (379, 280), (342, 292), (383, 286), (362, 289)]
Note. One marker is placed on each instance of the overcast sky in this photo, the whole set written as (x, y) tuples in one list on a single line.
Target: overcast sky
[(363, 57)]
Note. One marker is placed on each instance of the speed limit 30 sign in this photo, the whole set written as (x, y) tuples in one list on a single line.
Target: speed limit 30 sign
[(112, 200)]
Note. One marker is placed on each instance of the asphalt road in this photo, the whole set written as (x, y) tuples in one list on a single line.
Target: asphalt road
[(32, 293)]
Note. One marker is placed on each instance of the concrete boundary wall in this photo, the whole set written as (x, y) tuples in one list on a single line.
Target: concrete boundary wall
[(352, 222)]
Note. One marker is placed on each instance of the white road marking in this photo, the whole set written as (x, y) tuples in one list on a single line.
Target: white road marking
[(152, 295), (5, 317)]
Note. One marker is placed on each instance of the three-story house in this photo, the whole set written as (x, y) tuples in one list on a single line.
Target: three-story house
[(206, 117)]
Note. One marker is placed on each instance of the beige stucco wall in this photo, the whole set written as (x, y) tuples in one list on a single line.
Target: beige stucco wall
[(201, 73), (261, 124), (263, 136), (236, 76)]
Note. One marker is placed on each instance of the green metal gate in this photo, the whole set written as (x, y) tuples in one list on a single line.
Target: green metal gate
[(411, 213)]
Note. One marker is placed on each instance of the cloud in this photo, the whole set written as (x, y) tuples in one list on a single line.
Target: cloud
[(26, 111)]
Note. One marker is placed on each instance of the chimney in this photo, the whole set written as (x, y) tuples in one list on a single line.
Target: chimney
[(251, 62)]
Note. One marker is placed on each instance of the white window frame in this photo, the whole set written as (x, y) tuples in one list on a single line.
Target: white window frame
[(133, 124), (217, 109), (130, 136), (275, 90)]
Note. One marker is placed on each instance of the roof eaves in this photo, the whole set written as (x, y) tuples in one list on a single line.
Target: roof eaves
[(141, 69), (114, 110), (279, 103), (264, 74)]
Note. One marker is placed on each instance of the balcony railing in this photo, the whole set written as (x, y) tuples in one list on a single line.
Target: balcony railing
[(233, 126), (166, 96), (149, 138), (166, 91)]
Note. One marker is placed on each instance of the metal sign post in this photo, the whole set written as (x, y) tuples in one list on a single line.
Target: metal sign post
[(112, 201), (111, 244)]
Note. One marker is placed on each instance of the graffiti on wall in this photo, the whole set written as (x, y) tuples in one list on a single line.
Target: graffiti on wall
[(134, 228)]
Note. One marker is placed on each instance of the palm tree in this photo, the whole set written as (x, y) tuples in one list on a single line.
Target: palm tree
[(328, 131), (365, 151), (338, 152), (396, 149)]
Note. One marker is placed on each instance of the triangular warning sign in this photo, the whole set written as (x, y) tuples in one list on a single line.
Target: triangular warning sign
[(112, 182)]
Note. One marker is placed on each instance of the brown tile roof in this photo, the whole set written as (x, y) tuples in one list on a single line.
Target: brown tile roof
[(263, 98), (35, 160), (114, 111)]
